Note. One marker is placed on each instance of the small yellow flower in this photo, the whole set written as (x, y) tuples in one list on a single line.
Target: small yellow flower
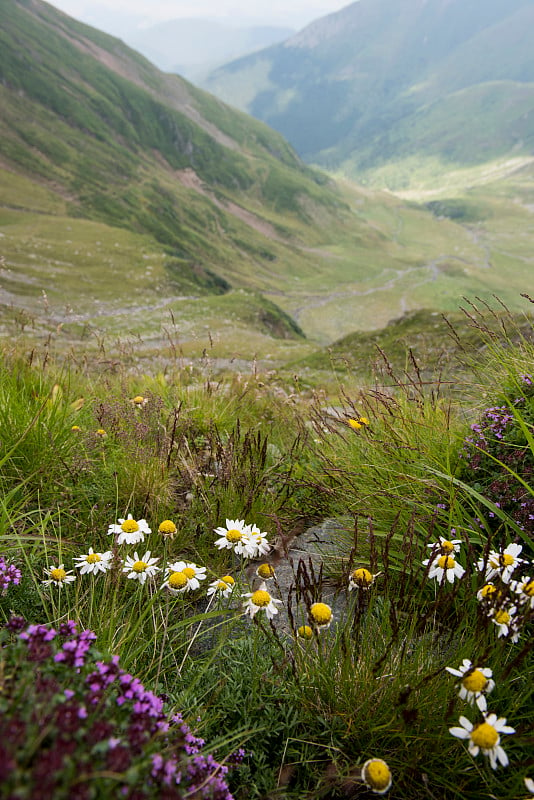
[(265, 571), (167, 528), (305, 632), (354, 424), (139, 400), (376, 775), (75, 428), (361, 579), (321, 615)]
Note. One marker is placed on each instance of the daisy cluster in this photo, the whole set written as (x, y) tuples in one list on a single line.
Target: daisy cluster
[(507, 596), (96, 716), (508, 602), (475, 682), (179, 577)]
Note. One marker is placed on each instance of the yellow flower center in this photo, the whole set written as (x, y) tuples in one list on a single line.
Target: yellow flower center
[(265, 571), (502, 617), (129, 526), (354, 424), (446, 562), (261, 598), (377, 774), (233, 535), (484, 736), (446, 546), (305, 632), (58, 574), (177, 580), (528, 588), (222, 586), (167, 527), (362, 576), (138, 400), (475, 681), (139, 566), (75, 428), (101, 432), (506, 560), (321, 613), (228, 580), (189, 572), (93, 558), (488, 590)]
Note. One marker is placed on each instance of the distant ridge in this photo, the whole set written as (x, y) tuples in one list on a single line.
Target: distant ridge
[(449, 82)]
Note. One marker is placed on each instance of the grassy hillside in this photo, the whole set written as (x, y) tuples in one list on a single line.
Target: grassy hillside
[(392, 582)]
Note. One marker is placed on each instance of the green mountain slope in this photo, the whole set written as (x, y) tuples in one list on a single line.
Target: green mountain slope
[(138, 210), (369, 85)]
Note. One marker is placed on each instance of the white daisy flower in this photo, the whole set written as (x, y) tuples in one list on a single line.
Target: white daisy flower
[(475, 683), (140, 569), (233, 537), (321, 615), (130, 531), (376, 775), (192, 573), (59, 576), (257, 542), (486, 737), (444, 566), (502, 564), (92, 563), (222, 586), (445, 546), (524, 588), (505, 622), (260, 600)]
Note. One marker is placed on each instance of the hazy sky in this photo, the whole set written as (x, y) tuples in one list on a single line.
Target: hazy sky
[(290, 13)]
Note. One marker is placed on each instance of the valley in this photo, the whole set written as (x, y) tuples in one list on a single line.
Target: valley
[(140, 215)]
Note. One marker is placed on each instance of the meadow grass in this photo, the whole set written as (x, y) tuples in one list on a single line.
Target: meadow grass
[(316, 675)]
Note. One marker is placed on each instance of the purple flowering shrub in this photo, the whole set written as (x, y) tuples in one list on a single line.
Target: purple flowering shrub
[(498, 436), (74, 726)]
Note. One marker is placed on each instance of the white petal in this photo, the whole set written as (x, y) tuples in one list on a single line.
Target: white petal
[(501, 755), (461, 733), (481, 702), (455, 672)]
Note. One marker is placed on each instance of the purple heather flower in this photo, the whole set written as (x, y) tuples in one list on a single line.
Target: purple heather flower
[(9, 573), (38, 638), (15, 623), (74, 650)]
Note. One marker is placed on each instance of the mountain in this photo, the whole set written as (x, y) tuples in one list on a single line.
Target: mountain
[(193, 47), (91, 131), (383, 84), (138, 209)]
